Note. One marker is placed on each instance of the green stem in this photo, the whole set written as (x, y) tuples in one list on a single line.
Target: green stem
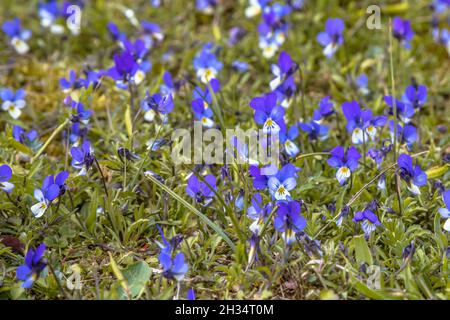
[(53, 135)]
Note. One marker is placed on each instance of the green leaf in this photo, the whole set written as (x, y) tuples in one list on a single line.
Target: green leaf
[(128, 122), (362, 252), (136, 275)]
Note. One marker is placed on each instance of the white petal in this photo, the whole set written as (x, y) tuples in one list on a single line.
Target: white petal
[(149, 115), (6, 186), (444, 212), (275, 83), (357, 136), (343, 174), (447, 225), (39, 209), (414, 189), (20, 45), (291, 148), (207, 122), (6, 105), (329, 50), (372, 132), (14, 112)]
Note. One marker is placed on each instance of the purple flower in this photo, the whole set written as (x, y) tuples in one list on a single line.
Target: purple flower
[(202, 101), (235, 35), (82, 157), (405, 111), (325, 109), (282, 182), (168, 86), (173, 265), (345, 162), (314, 130), (5, 175), (18, 36), (379, 155), (205, 6), (125, 70), (258, 212), (202, 192), (369, 221), (156, 104), (401, 29), (26, 138), (240, 66), (445, 212), (191, 294), (406, 134), (71, 83), (206, 65), (268, 113), (288, 221), (13, 102), (52, 188), (288, 141), (283, 70), (34, 264), (115, 33), (415, 95), (362, 82), (332, 37), (413, 176), (360, 123), (261, 175)]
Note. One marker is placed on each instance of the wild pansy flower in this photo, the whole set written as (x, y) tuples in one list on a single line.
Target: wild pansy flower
[(52, 188), (255, 7), (379, 155), (332, 37), (206, 6), (314, 130), (26, 138), (13, 102), (77, 133), (413, 176), (34, 264), (173, 265), (415, 95), (157, 104), (71, 82), (273, 29), (405, 111), (239, 66), (268, 113), (115, 33), (258, 212), (202, 101), (253, 250), (284, 82), (440, 6), (369, 221), (261, 175), (289, 221), (201, 191), (345, 162), (287, 139), (168, 86), (82, 157), (151, 33), (18, 36), (206, 65), (125, 70), (361, 123), (445, 212), (362, 82), (5, 175), (235, 35), (285, 68), (79, 113), (401, 29), (325, 109), (49, 12), (405, 134), (282, 182)]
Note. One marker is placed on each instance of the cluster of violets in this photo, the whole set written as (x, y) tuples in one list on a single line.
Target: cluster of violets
[(273, 199)]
